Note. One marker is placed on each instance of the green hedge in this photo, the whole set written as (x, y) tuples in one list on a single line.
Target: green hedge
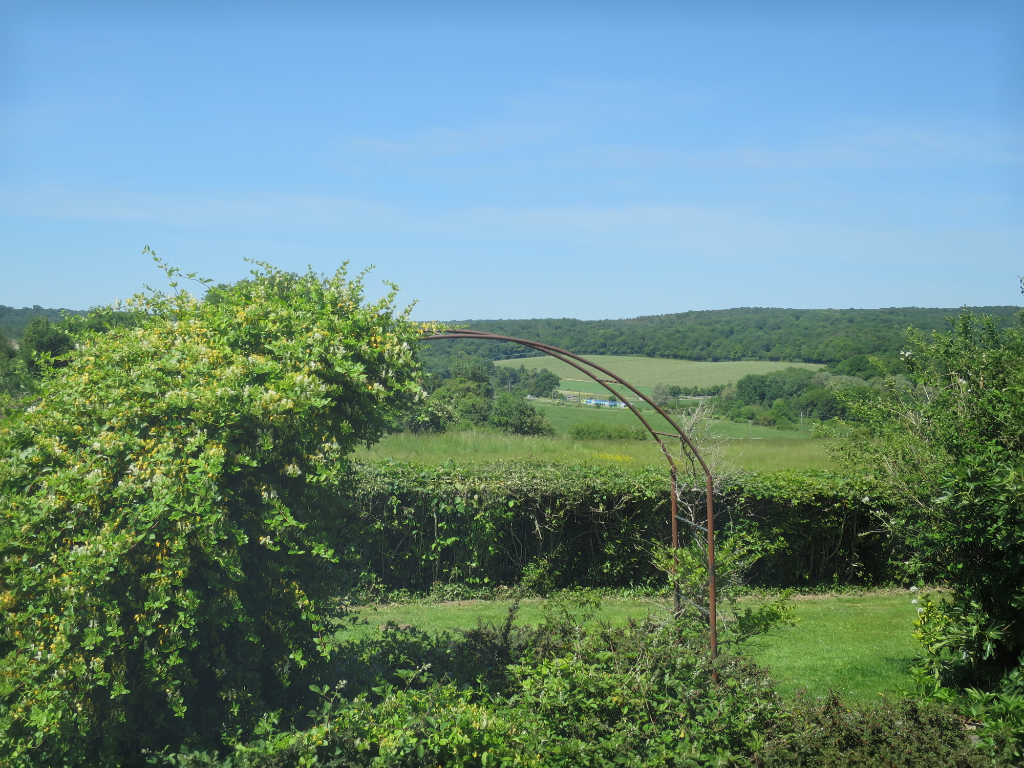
[(832, 525), (408, 526)]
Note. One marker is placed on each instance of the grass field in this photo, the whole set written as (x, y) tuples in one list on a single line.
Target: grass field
[(572, 387), (767, 455), (565, 416), (648, 371), (860, 646), (436, 617)]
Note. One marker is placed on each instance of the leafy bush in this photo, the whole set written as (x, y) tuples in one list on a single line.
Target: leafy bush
[(164, 550), (406, 526), (557, 695), (950, 456), (469, 403), (43, 343), (596, 430), (14, 379), (909, 734), (413, 525), (514, 415)]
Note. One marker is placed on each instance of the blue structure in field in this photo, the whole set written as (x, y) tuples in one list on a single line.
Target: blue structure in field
[(609, 403)]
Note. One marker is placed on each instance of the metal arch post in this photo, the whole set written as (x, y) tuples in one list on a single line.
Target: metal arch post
[(577, 362)]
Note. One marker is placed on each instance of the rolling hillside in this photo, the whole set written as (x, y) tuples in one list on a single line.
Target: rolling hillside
[(807, 335)]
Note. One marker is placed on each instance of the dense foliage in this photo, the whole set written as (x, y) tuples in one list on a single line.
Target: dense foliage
[(598, 430), (44, 344), (950, 455), (563, 695), (410, 526), (165, 556), (810, 335), (462, 396), (557, 695), (14, 376), (13, 321), (830, 734), (782, 398)]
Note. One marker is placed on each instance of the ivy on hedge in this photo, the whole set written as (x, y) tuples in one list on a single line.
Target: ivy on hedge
[(409, 526)]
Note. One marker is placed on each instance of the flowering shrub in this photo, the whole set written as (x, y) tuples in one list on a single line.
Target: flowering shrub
[(164, 547)]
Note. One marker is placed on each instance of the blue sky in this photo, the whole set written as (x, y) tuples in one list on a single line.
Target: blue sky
[(553, 160)]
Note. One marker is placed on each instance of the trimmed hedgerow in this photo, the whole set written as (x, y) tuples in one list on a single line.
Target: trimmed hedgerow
[(408, 526)]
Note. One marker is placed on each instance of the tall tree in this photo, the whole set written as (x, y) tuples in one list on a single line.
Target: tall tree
[(513, 414), (42, 343)]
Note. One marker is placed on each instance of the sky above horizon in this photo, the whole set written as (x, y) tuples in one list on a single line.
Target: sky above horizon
[(578, 159)]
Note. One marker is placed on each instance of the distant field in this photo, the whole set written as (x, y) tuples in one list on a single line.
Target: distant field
[(648, 371), (570, 386), (565, 416), (766, 455)]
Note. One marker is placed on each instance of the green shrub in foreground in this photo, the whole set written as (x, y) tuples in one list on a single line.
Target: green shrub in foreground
[(164, 554), (562, 696), (915, 734), (554, 696)]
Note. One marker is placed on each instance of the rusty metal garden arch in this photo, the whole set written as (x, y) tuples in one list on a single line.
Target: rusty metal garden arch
[(581, 364)]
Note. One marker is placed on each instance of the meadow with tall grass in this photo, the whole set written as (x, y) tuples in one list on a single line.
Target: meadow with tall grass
[(738, 454)]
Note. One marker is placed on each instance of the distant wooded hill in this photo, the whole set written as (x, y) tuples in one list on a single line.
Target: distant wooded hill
[(748, 333), (806, 335), (14, 321)]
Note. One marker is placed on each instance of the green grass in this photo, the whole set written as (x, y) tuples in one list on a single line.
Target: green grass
[(732, 430), (649, 371), (436, 617), (767, 455), (571, 387), (860, 646), (778, 454), (486, 446), (566, 415)]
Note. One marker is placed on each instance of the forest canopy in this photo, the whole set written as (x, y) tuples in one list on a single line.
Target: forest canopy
[(749, 333)]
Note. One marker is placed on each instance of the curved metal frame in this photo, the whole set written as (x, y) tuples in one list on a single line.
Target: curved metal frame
[(577, 362)]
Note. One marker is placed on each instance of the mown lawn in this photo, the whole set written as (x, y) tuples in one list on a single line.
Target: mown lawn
[(861, 646)]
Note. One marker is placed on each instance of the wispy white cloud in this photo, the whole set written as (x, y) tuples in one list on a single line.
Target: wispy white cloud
[(442, 142), (498, 143), (647, 231), (557, 113), (884, 148)]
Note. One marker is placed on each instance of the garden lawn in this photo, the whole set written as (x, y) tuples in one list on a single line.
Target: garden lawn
[(464, 614), (861, 646)]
